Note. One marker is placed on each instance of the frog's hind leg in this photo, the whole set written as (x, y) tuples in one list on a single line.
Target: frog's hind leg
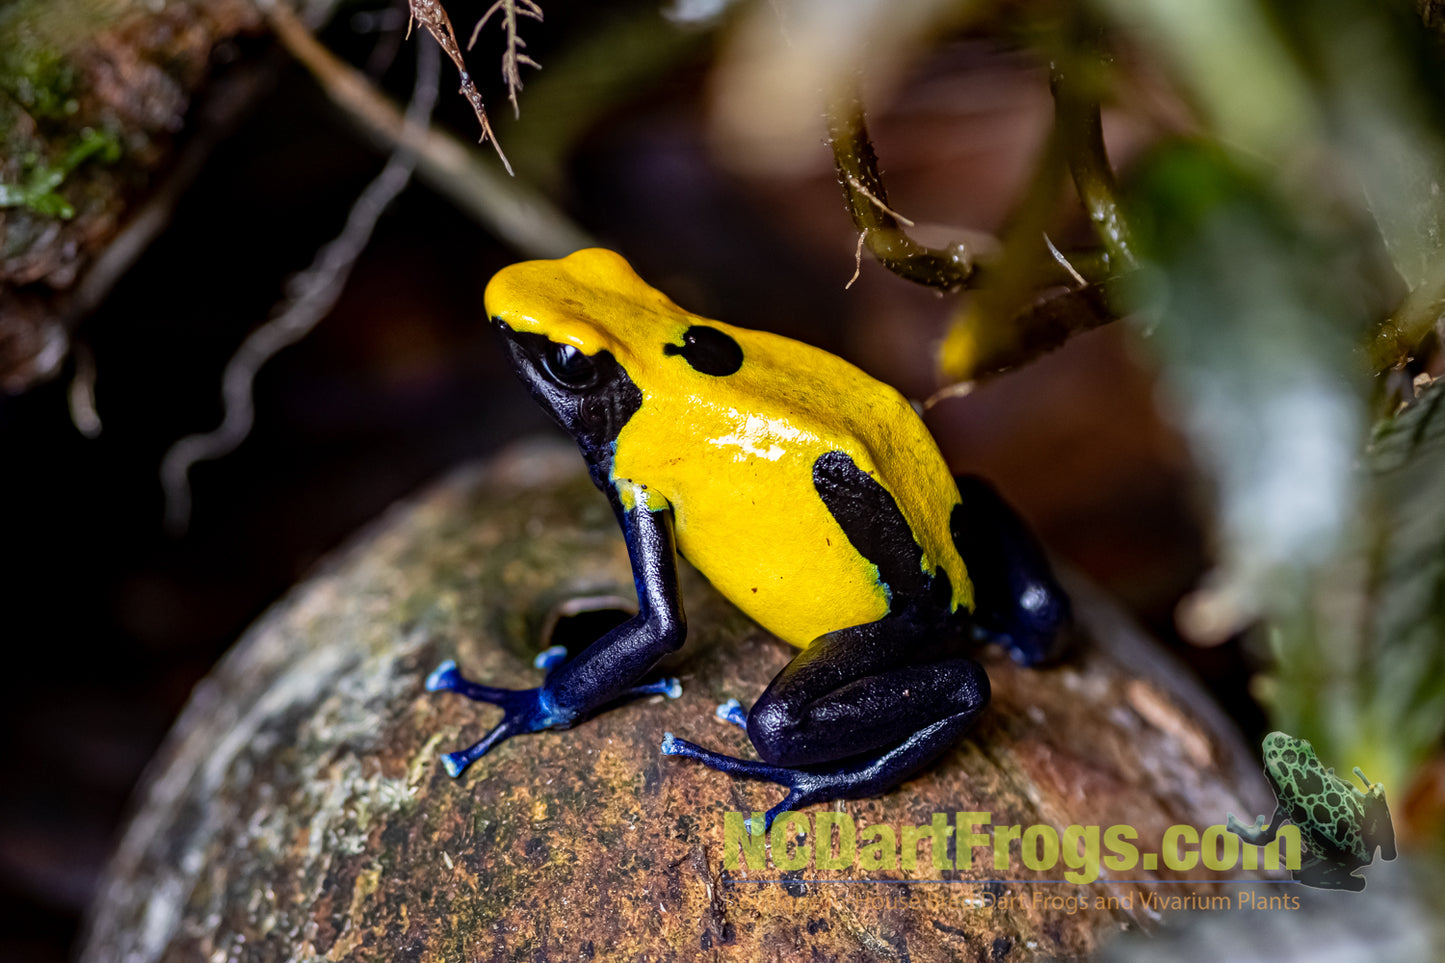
[(851, 716), (1321, 872), (1018, 603)]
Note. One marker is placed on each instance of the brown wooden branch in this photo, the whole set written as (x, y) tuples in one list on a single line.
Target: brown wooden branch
[(947, 269), (1043, 326)]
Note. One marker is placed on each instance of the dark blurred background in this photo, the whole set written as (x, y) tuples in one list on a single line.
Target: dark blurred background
[(110, 621)]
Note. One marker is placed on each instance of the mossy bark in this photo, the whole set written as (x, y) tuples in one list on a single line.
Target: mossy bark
[(298, 811), (96, 97)]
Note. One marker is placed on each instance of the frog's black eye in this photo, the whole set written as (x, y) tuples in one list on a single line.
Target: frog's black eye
[(568, 366)]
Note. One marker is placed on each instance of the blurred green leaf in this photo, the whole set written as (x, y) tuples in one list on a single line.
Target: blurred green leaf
[(1380, 79), (1255, 308), (1371, 687), (1235, 64)]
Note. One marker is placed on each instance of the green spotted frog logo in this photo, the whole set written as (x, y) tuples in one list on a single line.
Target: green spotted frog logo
[(1341, 827)]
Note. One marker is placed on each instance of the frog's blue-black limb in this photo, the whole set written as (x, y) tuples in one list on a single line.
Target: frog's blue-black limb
[(607, 670), (1018, 602), (527, 710), (857, 711), (871, 777)]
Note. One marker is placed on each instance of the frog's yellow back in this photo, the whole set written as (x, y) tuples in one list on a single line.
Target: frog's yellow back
[(733, 453)]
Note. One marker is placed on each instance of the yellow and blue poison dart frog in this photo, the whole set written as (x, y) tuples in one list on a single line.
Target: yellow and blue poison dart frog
[(809, 493)]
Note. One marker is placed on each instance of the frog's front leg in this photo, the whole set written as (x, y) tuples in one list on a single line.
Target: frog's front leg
[(606, 670), (1258, 834), (853, 715)]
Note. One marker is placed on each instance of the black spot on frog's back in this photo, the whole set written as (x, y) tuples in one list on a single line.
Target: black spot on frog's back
[(1308, 782), (874, 524), (708, 350)]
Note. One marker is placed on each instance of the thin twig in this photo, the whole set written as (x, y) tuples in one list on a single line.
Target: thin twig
[(82, 392), (310, 296), (512, 59), (1063, 262), (432, 15), (1008, 323), (857, 260), (516, 213)]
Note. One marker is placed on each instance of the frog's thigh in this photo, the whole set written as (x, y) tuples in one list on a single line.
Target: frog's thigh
[(1018, 601), (1324, 873), (856, 691)]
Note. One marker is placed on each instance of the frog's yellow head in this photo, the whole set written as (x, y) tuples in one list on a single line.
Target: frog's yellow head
[(591, 300), (587, 336)]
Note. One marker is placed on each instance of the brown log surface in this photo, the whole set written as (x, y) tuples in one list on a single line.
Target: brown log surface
[(298, 810)]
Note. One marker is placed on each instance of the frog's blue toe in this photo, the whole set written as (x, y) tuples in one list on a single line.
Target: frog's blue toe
[(732, 711), (455, 763), (443, 677), (672, 688), (549, 659), (669, 744)]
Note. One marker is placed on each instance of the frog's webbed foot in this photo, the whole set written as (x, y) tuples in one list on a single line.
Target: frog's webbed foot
[(1254, 833), (815, 784), (745, 769), (524, 710), (804, 786)]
